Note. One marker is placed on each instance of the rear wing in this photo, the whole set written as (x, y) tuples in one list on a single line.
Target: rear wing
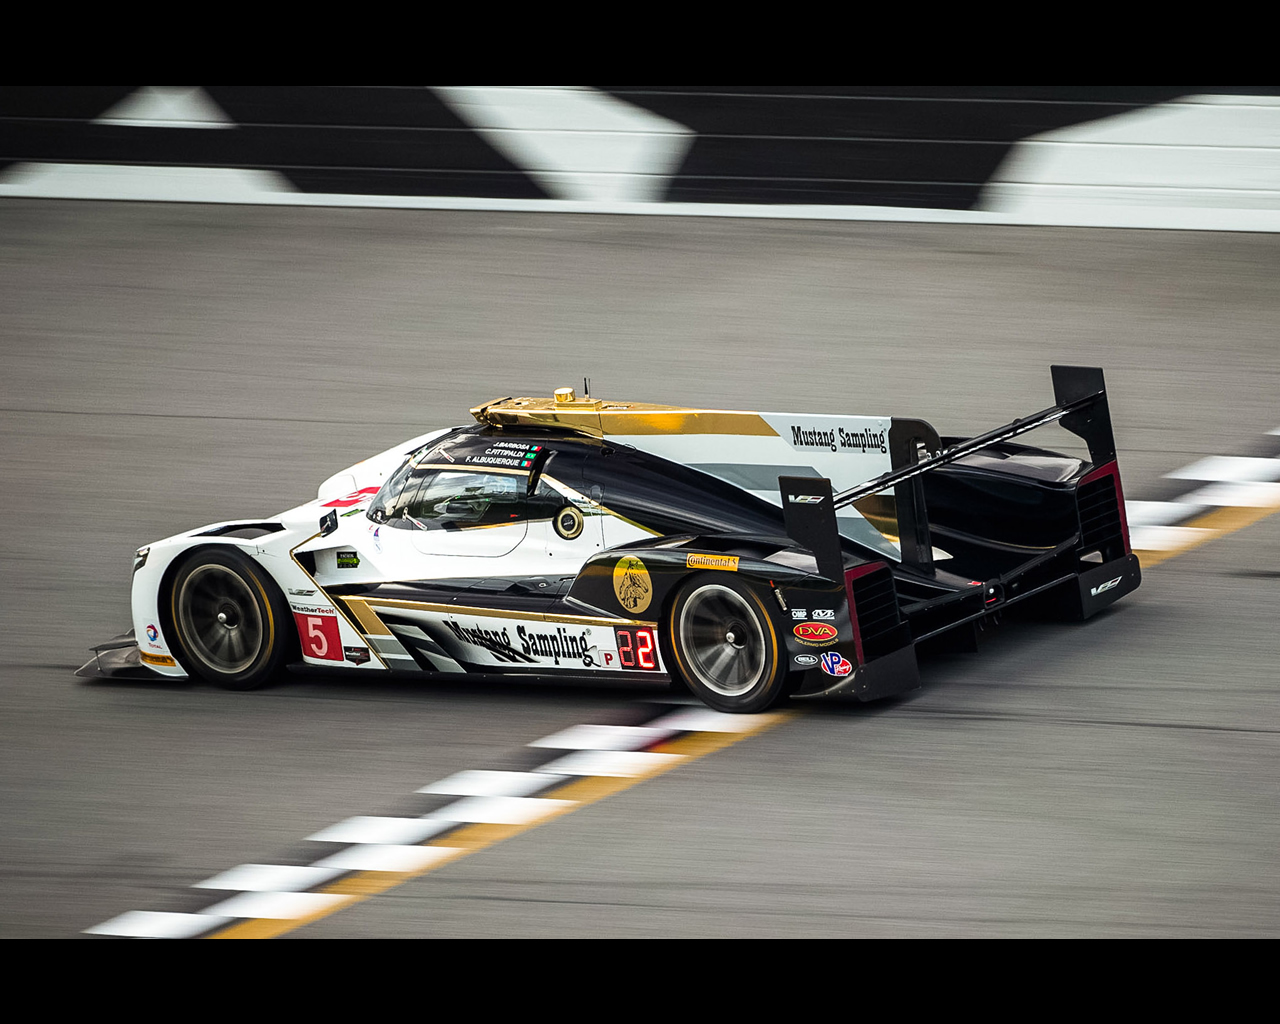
[(809, 506)]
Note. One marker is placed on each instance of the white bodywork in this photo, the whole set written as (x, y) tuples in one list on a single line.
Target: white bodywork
[(846, 449)]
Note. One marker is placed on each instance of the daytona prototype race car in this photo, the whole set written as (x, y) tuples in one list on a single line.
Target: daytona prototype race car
[(748, 556)]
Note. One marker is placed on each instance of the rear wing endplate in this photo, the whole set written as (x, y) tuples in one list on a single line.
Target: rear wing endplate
[(809, 507)]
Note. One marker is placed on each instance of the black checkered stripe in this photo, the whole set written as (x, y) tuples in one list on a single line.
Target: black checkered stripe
[(347, 862), (1206, 499)]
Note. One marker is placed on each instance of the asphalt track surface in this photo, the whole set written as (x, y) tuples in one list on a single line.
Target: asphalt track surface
[(168, 366)]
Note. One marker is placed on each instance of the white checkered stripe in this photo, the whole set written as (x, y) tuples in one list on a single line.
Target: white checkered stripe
[(1216, 482), (411, 844)]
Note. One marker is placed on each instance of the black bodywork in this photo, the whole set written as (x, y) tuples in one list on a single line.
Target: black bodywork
[(1017, 523), (981, 524)]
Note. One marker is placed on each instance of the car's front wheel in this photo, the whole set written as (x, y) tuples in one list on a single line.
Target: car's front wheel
[(726, 645), (229, 618)]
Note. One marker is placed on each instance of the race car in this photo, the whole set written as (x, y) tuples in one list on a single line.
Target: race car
[(749, 556)]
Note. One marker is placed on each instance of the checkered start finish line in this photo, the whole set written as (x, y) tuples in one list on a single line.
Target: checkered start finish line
[(1206, 500), (366, 855)]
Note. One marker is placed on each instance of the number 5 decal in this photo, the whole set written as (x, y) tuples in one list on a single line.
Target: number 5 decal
[(319, 636)]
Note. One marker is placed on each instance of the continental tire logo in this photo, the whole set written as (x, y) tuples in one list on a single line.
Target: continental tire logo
[(632, 585), (727, 562), (816, 634)]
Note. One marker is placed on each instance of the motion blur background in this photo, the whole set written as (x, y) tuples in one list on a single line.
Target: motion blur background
[(334, 270)]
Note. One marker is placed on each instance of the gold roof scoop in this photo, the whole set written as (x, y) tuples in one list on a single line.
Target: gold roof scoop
[(599, 418)]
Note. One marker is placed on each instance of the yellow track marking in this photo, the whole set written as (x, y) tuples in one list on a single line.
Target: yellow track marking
[(469, 839), (1218, 523)]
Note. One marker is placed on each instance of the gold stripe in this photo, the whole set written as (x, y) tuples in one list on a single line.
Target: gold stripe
[(368, 619), (500, 613), (157, 659), (590, 620), (337, 606), (685, 421), (473, 838), (1217, 523), (599, 418)]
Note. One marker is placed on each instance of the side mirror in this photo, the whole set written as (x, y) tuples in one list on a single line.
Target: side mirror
[(328, 523)]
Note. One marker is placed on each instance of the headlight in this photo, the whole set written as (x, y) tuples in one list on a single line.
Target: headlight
[(140, 558)]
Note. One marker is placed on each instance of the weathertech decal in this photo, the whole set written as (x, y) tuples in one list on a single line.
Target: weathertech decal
[(729, 562), (357, 655), (819, 634)]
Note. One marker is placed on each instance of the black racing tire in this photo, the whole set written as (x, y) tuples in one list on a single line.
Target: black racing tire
[(726, 644), (230, 620)]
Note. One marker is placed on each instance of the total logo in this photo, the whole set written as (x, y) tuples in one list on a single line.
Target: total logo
[(818, 634), (153, 634), (836, 664)]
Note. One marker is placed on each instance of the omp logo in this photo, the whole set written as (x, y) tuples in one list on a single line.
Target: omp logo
[(815, 632), (805, 499), (1102, 588)]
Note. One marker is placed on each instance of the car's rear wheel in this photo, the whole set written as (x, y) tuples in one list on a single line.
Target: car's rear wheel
[(229, 618), (726, 644)]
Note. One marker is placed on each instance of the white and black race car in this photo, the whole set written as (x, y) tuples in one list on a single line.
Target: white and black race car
[(749, 556)]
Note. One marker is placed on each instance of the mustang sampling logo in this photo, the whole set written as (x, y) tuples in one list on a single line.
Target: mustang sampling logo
[(840, 439), (632, 585), (497, 644), (560, 644)]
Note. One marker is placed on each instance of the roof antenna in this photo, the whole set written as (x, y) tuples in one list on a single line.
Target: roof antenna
[(586, 388)]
